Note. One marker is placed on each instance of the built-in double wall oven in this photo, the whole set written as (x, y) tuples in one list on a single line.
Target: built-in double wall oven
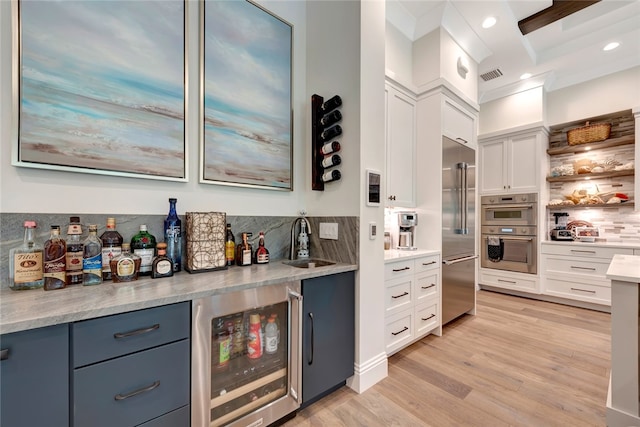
[(509, 225)]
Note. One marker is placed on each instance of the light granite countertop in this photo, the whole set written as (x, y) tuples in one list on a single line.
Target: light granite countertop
[(391, 255), (29, 309), (625, 268)]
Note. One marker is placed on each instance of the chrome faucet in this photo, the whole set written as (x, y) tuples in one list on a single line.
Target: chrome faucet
[(303, 239)]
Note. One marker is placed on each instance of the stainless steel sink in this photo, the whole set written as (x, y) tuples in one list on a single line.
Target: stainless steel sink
[(309, 263)]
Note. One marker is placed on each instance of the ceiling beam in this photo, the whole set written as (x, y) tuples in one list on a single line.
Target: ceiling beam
[(560, 9)]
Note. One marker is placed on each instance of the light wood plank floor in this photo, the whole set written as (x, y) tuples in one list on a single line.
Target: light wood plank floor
[(518, 362)]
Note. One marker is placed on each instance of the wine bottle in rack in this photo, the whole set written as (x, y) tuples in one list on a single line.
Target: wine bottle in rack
[(330, 147), (331, 104), (330, 133), (332, 175), (331, 118), (331, 161)]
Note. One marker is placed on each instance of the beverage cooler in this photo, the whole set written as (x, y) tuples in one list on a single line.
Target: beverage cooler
[(245, 356)]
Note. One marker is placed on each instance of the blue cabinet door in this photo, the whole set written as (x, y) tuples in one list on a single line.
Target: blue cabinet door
[(34, 378), (328, 334)]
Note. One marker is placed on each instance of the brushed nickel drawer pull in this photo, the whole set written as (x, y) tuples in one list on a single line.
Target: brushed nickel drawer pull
[(429, 263), (399, 332), (4, 354), (507, 281), (119, 335), (400, 296), (396, 270), (155, 385), (429, 318), (429, 287), (583, 252), (583, 268), (583, 290)]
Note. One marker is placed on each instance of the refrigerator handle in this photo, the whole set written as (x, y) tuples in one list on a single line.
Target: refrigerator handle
[(463, 168)]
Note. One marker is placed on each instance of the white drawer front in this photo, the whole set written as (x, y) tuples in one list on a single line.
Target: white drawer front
[(507, 282), (426, 318), (398, 269), (585, 251), (426, 286), (576, 267), (398, 295), (427, 263), (398, 330), (578, 291)]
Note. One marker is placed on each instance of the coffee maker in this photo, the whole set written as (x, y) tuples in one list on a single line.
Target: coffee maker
[(560, 231), (407, 222)]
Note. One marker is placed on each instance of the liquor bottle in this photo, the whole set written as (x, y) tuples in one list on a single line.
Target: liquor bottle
[(243, 251), (126, 266), (331, 161), (262, 254), (173, 236), (331, 104), (111, 247), (92, 258), (144, 245), (74, 252), (25, 269), (254, 346), (162, 265), (332, 175), (330, 147), (331, 118), (330, 133), (230, 246), (55, 266)]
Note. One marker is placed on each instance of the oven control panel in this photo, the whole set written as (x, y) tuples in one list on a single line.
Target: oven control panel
[(513, 230)]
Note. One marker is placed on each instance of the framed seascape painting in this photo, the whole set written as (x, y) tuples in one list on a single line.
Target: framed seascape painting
[(246, 91), (99, 87)]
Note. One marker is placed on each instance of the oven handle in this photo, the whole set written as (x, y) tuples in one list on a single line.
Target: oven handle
[(457, 260), (494, 207), (523, 239)]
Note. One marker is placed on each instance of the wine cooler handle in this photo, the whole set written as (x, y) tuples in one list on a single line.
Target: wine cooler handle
[(310, 362)]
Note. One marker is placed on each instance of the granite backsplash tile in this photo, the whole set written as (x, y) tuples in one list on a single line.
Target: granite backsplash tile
[(277, 230)]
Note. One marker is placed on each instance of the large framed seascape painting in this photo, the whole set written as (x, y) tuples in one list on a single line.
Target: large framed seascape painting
[(246, 95), (100, 87)]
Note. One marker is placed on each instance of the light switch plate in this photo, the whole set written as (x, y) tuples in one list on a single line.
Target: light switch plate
[(373, 230), (329, 230)]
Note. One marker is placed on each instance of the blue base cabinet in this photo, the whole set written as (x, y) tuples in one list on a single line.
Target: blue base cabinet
[(328, 334), (34, 377)]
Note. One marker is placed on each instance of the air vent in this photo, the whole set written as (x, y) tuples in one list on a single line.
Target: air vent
[(490, 75)]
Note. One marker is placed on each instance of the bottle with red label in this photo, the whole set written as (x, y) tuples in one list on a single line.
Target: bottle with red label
[(254, 344)]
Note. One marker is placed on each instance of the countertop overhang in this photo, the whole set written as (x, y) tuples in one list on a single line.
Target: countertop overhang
[(400, 254), (624, 268), (30, 309)]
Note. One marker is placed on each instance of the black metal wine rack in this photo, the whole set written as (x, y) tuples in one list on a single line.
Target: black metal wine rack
[(325, 117)]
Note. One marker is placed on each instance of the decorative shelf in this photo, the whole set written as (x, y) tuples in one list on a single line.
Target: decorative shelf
[(586, 206), (584, 148), (590, 176)]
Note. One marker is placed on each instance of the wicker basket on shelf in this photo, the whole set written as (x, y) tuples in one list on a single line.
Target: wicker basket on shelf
[(589, 133)]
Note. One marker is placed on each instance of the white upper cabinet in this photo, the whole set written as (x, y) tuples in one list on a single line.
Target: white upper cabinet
[(457, 123), (510, 163), (400, 148)]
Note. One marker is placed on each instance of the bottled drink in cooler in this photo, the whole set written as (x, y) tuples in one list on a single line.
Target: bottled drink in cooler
[(271, 336), (74, 252), (254, 346), (55, 253), (25, 262), (143, 244), (92, 258), (111, 247), (173, 236)]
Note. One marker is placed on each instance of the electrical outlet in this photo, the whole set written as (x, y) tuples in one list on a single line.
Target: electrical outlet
[(329, 230)]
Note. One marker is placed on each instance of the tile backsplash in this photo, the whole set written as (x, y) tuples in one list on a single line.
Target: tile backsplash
[(619, 224)]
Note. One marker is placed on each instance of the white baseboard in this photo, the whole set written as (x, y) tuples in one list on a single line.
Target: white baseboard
[(368, 373)]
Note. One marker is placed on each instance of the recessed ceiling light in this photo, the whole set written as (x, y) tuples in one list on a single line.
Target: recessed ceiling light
[(525, 76), (611, 46), (489, 22)]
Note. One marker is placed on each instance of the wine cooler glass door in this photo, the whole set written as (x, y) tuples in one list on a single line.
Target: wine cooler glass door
[(245, 357)]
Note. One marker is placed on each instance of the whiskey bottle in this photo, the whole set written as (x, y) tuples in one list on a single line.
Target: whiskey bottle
[(173, 236), (74, 252), (162, 265), (144, 245), (55, 252), (262, 254), (92, 258), (25, 262), (330, 147), (230, 246), (243, 251), (111, 247), (126, 266)]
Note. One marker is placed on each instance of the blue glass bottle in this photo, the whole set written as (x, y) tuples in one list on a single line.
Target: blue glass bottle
[(173, 236)]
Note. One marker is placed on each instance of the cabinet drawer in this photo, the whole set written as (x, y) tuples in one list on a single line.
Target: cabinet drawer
[(426, 317), (427, 263), (398, 295), (585, 251), (178, 418), (104, 338), (426, 286), (509, 282), (577, 268), (398, 330), (398, 269), (578, 291), (132, 389)]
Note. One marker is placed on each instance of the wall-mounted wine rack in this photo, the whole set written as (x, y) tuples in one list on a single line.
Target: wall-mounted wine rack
[(324, 119)]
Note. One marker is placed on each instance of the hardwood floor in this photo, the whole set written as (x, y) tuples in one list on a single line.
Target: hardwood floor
[(518, 362)]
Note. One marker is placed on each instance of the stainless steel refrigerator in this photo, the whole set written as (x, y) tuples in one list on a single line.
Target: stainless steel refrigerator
[(458, 229)]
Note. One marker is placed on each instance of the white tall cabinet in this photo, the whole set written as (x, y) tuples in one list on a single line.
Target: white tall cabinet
[(400, 148)]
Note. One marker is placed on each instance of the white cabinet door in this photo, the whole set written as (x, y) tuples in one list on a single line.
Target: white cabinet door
[(523, 163), (458, 124), (492, 168), (401, 149)]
